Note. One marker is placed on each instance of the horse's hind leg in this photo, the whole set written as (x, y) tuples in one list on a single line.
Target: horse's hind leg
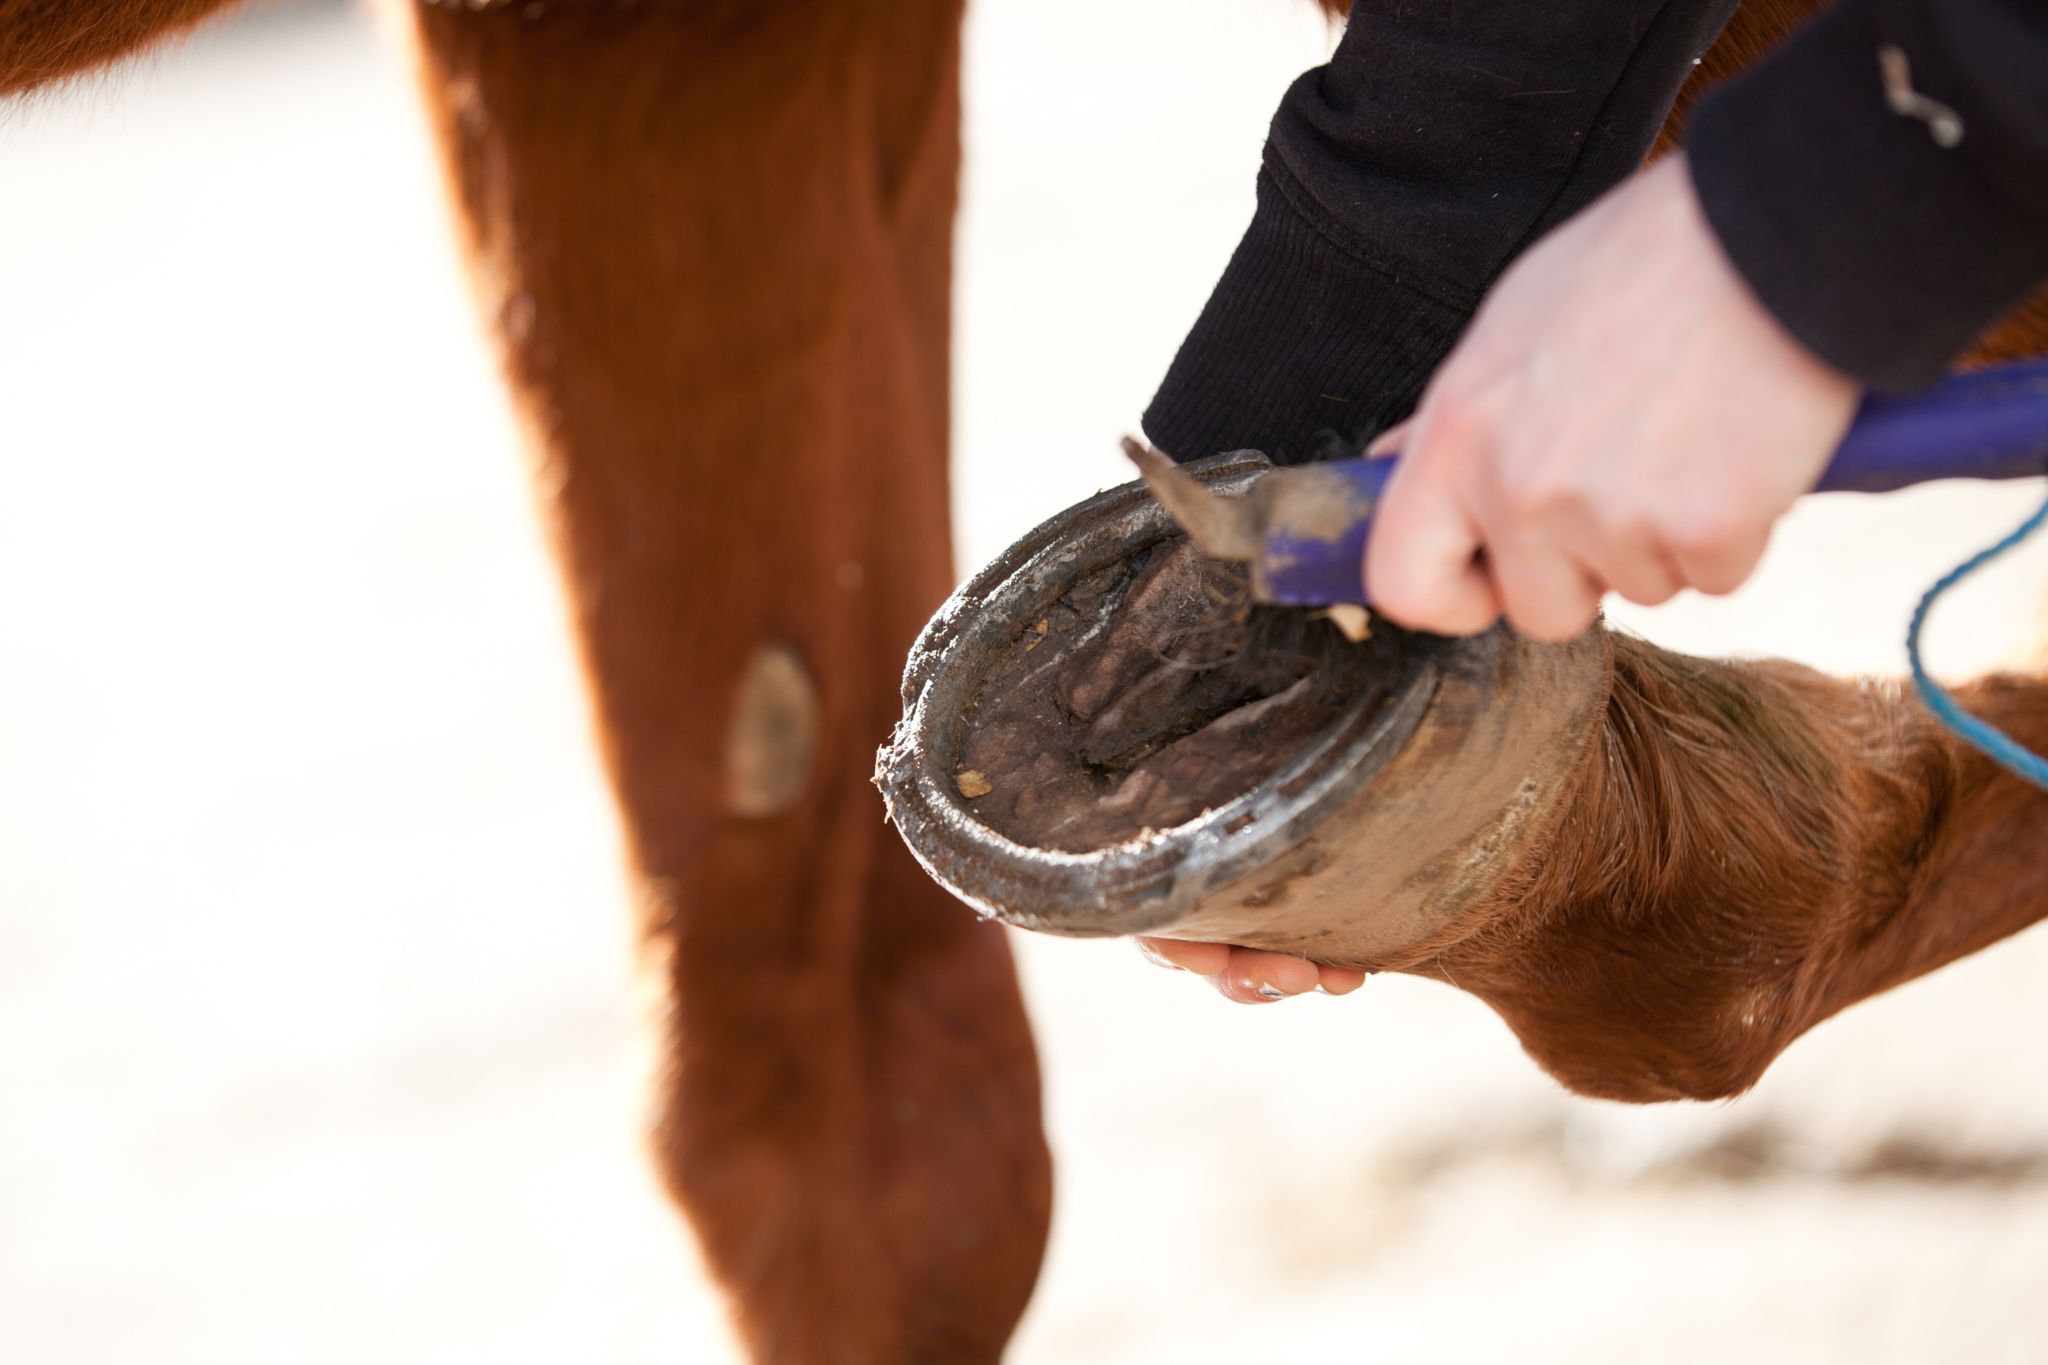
[(714, 243)]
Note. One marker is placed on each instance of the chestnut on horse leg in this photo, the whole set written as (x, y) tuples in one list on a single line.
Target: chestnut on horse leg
[(714, 243)]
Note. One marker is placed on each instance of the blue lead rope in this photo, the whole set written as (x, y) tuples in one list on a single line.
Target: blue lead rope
[(1992, 740)]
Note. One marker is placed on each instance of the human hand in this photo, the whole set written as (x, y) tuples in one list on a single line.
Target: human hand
[(1623, 414), (1250, 976)]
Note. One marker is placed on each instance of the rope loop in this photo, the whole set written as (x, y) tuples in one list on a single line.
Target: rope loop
[(2000, 746)]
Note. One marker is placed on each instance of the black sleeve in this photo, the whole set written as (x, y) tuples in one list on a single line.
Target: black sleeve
[(1398, 181), (1884, 231)]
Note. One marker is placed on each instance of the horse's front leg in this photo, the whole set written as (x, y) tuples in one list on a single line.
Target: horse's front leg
[(714, 244)]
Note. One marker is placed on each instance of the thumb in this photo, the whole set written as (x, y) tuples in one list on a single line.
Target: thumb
[(1391, 441)]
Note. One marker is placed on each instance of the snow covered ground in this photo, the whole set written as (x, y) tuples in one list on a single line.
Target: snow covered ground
[(314, 1031)]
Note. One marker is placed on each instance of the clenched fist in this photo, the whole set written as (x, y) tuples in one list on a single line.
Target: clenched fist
[(1622, 415)]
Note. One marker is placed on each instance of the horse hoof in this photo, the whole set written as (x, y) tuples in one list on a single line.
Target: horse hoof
[(1101, 735)]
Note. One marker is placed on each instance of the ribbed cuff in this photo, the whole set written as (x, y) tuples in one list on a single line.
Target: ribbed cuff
[(1302, 343), (1885, 253)]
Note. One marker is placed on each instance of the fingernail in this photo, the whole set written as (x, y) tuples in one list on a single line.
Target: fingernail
[(1271, 993)]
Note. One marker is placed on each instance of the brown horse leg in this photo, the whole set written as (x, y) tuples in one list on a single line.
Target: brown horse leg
[(1752, 847), (714, 243)]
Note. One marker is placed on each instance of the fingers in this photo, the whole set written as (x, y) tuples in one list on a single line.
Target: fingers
[(1340, 980), (1421, 562), (1392, 441), (1257, 978), (1643, 573), (1203, 959), (1249, 976), (1481, 521), (1545, 593), (1717, 560), (1624, 557)]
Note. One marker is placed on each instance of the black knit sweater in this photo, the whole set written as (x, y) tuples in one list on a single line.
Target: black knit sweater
[(1445, 136)]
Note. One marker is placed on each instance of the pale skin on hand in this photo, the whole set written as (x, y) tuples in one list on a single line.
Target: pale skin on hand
[(1622, 416)]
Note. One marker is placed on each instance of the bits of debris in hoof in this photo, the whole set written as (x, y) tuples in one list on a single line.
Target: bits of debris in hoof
[(1162, 690), (1352, 621)]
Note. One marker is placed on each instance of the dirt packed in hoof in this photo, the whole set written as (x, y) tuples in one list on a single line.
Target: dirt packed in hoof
[(1153, 690)]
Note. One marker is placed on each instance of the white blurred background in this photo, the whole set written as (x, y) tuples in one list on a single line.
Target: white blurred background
[(315, 1042)]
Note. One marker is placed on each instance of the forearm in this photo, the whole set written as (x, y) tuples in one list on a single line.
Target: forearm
[(1399, 180)]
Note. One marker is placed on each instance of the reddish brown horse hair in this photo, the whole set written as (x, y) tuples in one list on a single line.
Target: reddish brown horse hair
[(1748, 849)]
